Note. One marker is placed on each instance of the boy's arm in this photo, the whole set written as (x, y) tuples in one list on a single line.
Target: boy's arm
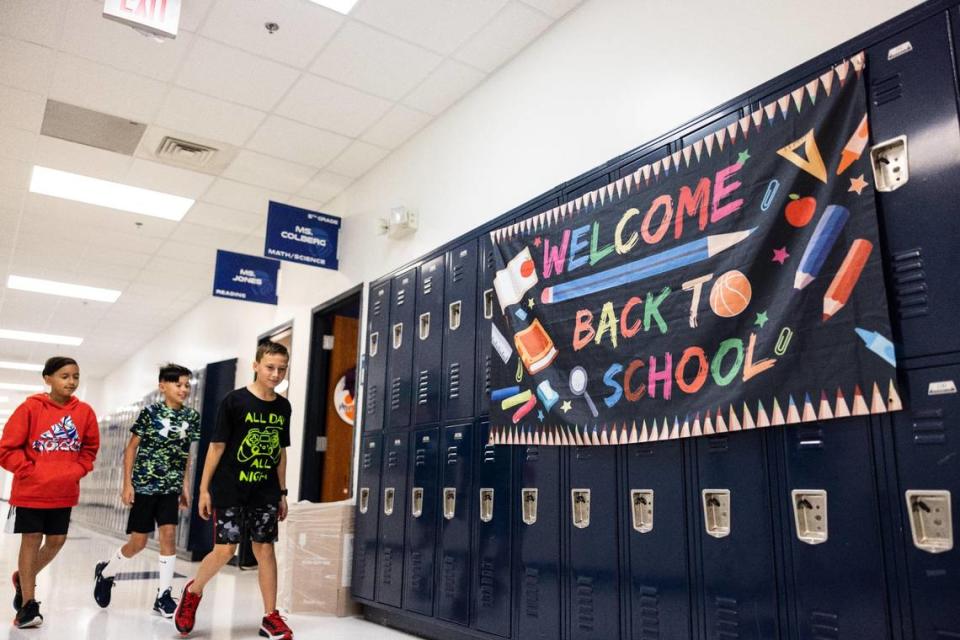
[(185, 492), (12, 456), (214, 453), (90, 444), (129, 457), (282, 476)]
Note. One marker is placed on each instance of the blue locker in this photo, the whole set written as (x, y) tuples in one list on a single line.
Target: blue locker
[(453, 596), (912, 93), (492, 568), (378, 329), (459, 332), (487, 304), (427, 355), (736, 538), (392, 519), (832, 530), (537, 525), (422, 514), (367, 518), (592, 556), (403, 329), (656, 530), (927, 449)]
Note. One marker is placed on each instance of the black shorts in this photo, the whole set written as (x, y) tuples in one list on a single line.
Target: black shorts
[(52, 522), (162, 508), (259, 522)]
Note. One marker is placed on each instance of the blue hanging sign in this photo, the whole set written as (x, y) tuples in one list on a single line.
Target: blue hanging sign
[(241, 277), (301, 235)]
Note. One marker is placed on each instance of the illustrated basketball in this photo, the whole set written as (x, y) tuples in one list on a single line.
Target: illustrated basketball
[(730, 294)]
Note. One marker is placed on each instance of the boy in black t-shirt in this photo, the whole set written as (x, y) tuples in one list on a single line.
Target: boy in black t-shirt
[(244, 486)]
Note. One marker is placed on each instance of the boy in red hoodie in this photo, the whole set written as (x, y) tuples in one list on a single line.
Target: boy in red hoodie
[(49, 443)]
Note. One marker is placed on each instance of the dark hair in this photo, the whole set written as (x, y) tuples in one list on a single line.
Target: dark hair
[(171, 372), (269, 348), (54, 364)]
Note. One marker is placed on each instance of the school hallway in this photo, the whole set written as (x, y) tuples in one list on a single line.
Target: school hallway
[(230, 608)]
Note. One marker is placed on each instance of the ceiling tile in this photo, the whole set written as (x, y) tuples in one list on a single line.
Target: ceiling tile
[(201, 115), (18, 144), (116, 258), (161, 177), (174, 250), (297, 142), (304, 28), (440, 25), (164, 270), (325, 186), (25, 65), (15, 174), (192, 14), (444, 87), (400, 123), (375, 62), (357, 159), (211, 215), (272, 173), (95, 86), (231, 74), (83, 221), (503, 37), (77, 158), (237, 195), (129, 241), (200, 236), (553, 8), (21, 109), (304, 203), (38, 22), (328, 105)]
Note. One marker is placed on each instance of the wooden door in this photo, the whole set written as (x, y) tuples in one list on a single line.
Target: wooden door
[(343, 360)]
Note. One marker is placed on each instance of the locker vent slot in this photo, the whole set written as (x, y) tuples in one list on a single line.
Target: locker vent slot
[(531, 593), (910, 283), (452, 455), (533, 454), (450, 590), (377, 307), (372, 394), (728, 617), (420, 458), (809, 437), (367, 460), (401, 296), (457, 273), (393, 459), (454, 376), (423, 387), (825, 625), (928, 427), (489, 453), (395, 394), (487, 572), (884, 90), (717, 444), (386, 577), (427, 285), (491, 261), (649, 612), (585, 606), (416, 571), (487, 376)]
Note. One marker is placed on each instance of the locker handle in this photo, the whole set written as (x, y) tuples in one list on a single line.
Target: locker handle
[(810, 515), (716, 512), (454, 315), (486, 505), (581, 507), (891, 168), (416, 503), (424, 325), (374, 343), (488, 304), (449, 502), (642, 507), (528, 505), (388, 495), (931, 522), (397, 335), (364, 499)]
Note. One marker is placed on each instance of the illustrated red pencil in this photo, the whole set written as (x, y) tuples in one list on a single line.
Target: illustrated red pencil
[(855, 146), (838, 294)]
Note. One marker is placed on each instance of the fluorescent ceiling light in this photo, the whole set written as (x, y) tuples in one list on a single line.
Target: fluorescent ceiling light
[(65, 289), (20, 366), (103, 193), (340, 6), (16, 386), (47, 338)]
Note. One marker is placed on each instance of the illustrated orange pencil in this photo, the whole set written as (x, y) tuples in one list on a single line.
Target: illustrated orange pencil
[(838, 294), (855, 146)]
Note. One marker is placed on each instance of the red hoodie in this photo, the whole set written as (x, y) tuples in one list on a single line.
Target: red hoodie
[(48, 448)]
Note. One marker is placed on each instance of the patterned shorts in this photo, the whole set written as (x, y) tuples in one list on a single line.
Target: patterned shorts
[(260, 523)]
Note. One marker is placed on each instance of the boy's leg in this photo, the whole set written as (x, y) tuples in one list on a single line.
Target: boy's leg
[(51, 547), (211, 565), (27, 564), (267, 574), (227, 531), (167, 537)]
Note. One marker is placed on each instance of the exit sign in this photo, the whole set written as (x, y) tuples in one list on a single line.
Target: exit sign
[(161, 17)]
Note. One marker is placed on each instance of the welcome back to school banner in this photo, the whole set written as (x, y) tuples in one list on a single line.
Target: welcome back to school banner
[(735, 284)]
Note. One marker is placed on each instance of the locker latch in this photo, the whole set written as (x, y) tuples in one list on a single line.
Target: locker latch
[(581, 507), (486, 505), (528, 505), (374, 343), (388, 494), (424, 325), (416, 502), (642, 507), (454, 315), (364, 499), (890, 167), (488, 304), (449, 502), (810, 515), (716, 512), (930, 520), (397, 335)]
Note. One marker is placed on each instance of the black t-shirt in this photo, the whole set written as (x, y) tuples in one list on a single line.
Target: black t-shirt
[(254, 431)]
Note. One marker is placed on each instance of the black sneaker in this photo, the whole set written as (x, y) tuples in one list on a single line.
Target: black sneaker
[(165, 605), (102, 587), (17, 593), (29, 615)]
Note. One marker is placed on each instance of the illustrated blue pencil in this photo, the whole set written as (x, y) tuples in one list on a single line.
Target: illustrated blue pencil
[(879, 344), (824, 237), (675, 258)]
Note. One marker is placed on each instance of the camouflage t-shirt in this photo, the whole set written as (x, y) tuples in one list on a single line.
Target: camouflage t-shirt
[(165, 437)]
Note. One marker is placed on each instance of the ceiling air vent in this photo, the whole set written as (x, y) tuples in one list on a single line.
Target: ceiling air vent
[(184, 152)]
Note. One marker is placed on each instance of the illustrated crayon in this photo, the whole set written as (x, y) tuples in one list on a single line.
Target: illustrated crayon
[(846, 279), (514, 400), (499, 394), (524, 410), (686, 254), (855, 146), (879, 344), (824, 237)]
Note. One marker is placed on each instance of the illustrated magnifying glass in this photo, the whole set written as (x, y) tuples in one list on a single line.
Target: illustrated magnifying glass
[(578, 385)]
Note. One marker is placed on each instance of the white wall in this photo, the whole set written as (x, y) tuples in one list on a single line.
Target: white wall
[(610, 76)]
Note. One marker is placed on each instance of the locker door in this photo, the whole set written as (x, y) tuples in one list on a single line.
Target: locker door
[(392, 519), (402, 335), (367, 518), (732, 500), (429, 337), (492, 576), (422, 514), (592, 554), (656, 533), (832, 530), (927, 450), (453, 597), (911, 82), (459, 332), (378, 341), (536, 503), (487, 304)]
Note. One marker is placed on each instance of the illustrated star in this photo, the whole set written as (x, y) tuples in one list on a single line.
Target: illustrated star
[(536, 241), (540, 415), (761, 319), (780, 255), (565, 406), (743, 156), (857, 184), (530, 303)]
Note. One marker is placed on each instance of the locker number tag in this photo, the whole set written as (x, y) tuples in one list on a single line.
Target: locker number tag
[(941, 388)]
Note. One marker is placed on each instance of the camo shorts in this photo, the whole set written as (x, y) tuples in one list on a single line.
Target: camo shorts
[(260, 523)]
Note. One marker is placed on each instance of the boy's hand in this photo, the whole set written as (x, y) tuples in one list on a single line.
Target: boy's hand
[(184, 499), (127, 494), (282, 513), (205, 505)]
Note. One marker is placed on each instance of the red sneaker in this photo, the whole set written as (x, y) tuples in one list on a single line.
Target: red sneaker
[(274, 627), (186, 613)]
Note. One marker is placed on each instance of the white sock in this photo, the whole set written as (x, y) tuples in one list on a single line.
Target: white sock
[(167, 564), (115, 564)]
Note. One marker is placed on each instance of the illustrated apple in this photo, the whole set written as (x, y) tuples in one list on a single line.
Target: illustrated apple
[(799, 211)]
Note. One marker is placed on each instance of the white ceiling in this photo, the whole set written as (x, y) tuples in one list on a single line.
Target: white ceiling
[(310, 109)]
